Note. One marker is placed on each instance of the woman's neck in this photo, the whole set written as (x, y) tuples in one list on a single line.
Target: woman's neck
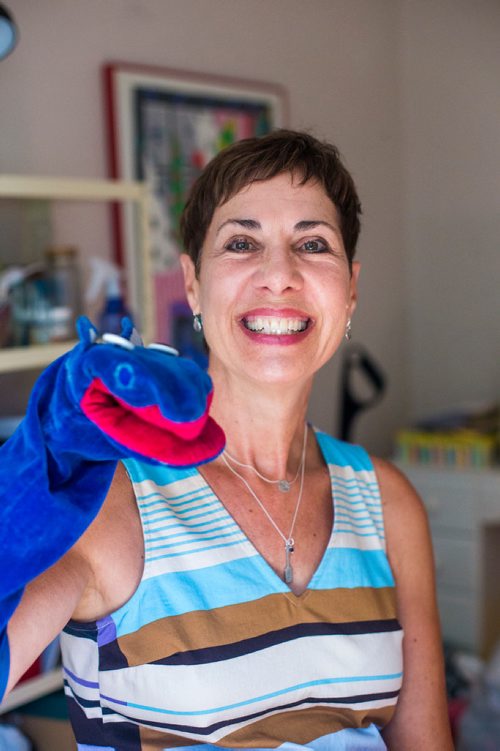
[(264, 425)]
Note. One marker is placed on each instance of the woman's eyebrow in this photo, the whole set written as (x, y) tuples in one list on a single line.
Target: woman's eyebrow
[(245, 223), (306, 224), (303, 225)]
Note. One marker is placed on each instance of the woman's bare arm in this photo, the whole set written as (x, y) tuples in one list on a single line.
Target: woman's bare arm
[(46, 606), (421, 720), (96, 576)]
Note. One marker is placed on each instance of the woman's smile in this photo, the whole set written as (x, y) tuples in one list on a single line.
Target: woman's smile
[(282, 326)]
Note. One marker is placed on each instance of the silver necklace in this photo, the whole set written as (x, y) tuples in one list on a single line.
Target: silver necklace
[(289, 541), (284, 485)]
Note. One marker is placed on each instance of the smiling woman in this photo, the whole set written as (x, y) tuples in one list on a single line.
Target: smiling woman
[(272, 595)]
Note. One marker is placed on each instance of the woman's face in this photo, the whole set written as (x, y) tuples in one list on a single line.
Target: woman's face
[(274, 288)]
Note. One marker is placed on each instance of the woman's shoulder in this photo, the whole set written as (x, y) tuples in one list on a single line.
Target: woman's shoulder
[(398, 494), (405, 519)]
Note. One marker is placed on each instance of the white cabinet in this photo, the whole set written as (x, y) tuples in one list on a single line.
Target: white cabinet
[(61, 189), (462, 505)]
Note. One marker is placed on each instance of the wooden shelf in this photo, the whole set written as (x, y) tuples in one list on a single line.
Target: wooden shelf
[(32, 689), (76, 189), (60, 188), (29, 358)]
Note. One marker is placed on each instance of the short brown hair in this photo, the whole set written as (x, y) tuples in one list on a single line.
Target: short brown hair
[(254, 159)]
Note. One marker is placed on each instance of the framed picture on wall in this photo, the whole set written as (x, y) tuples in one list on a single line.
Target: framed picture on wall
[(164, 126)]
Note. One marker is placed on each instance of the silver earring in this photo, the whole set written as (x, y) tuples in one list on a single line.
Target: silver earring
[(197, 322), (348, 329)]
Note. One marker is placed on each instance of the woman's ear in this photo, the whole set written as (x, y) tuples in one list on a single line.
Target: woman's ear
[(353, 295), (191, 283)]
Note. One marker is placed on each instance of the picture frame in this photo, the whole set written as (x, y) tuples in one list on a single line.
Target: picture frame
[(164, 125)]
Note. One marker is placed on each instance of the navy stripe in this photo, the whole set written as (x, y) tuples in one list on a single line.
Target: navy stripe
[(273, 638), (202, 731), (87, 630), (94, 733), (87, 703)]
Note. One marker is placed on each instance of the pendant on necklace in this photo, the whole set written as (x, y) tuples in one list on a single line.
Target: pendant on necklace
[(289, 548), (284, 486)]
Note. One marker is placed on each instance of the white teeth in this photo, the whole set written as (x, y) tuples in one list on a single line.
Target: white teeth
[(275, 325)]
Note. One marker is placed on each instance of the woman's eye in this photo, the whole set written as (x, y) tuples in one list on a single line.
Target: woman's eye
[(239, 244), (315, 246)]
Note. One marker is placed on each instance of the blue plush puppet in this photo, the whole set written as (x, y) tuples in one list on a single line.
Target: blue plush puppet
[(105, 400)]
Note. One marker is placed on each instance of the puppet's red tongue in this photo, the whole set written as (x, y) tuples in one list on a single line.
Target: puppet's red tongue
[(148, 432)]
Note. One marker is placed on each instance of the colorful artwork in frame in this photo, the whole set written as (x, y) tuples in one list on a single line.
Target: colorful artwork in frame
[(164, 127)]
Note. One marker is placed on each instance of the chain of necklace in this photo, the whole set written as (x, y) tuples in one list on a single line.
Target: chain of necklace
[(284, 485), (289, 541)]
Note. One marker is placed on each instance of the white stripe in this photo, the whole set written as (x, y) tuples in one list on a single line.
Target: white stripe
[(349, 540), (176, 489), (258, 676), (196, 560)]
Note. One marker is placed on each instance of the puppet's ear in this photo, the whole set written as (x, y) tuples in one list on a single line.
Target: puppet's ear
[(130, 332), (87, 332)]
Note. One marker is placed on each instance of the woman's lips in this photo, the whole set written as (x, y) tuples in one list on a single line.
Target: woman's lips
[(283, 326)]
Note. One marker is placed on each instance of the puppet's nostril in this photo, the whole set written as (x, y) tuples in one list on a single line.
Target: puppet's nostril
[(124, 375)]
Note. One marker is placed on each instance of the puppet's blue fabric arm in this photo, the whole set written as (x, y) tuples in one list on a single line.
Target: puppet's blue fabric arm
[(103, 401)]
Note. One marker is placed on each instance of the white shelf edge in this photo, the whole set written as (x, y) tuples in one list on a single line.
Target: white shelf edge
[(32, 689), (60, 188), (34, 356)]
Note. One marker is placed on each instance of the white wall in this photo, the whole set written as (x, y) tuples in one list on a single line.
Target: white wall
[(450, 73), (409, 92)]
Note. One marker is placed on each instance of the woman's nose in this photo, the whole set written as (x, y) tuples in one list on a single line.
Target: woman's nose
[(279, 270)]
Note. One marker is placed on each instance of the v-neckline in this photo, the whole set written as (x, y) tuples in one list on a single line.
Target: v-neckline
[(276, 582)]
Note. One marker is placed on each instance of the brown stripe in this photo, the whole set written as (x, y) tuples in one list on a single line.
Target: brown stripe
[(211, 628), (298, 726), (152, 740), (304, 725)]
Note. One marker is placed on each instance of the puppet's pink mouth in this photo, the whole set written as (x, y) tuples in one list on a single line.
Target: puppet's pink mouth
[(147, 431)]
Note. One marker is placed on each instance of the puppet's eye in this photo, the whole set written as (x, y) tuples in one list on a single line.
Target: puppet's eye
[(164, 348), (120, 341), (125, 376)]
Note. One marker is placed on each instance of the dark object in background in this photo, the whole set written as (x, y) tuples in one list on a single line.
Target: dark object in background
[(359, 372)]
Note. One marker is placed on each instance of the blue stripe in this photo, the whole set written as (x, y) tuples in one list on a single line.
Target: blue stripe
[(166, 501), (350, 568), (354, 739), (189, 533), (357, 522), (170, 513), (203, 589), (157, 495), (80, 681), (160, 474), (183, 526), (344, 454), (213, 587), (152, 528), (348, 482), (242, 538), (200, 540), (347, 507), (362, 502)]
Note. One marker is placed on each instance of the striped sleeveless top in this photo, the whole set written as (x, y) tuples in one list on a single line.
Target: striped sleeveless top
[(214, 650)]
